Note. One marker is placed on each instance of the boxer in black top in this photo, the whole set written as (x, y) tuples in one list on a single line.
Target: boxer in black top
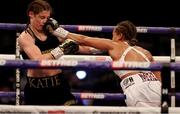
[(44, 86)]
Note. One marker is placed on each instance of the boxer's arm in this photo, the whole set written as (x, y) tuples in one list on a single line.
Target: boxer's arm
[(62, 34), (89, 50), (26, 42), (98, 43)]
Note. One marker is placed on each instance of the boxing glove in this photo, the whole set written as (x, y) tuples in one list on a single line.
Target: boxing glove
[(52, 27), (67, 47)]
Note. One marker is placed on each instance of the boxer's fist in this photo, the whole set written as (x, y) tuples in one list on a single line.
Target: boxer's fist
[(67, 47), (50, 26)]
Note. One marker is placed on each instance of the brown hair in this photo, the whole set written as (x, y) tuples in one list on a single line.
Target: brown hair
[(38, 6), (128, 29)]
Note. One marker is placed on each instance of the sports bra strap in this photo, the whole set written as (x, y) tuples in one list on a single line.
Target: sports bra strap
[(121, 73), (142, 54), (29, 30), (125, 53)]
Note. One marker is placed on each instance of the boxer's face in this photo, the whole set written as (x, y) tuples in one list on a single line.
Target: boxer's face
[(117, 36), (38, 20)]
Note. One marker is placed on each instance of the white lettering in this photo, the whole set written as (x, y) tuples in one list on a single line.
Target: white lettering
[(89, 28), (142, 30), (55, 63), (118, 65), (92, 95)]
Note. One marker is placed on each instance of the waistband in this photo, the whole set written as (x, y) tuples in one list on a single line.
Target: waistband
[(44, 82), (128, 74), (137, 79)]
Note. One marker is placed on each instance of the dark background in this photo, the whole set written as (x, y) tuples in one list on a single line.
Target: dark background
[(95, 12)]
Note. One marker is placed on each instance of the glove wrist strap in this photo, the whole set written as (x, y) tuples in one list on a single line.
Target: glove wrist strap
[(61, 33), (57, 53)]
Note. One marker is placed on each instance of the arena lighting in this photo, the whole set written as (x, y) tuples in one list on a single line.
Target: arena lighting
[(81, 74)]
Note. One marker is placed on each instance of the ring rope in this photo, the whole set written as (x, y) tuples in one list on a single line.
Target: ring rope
[(68, 64), (83, 109), (78, 95), (91, 57), (115, 65), (95, 28), (86, 95)]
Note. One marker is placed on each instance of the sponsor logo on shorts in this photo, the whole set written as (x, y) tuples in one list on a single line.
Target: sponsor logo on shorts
[(128, 82), (148, 76)]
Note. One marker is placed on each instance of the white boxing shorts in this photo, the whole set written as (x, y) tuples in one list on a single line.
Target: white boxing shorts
[(142, 90)]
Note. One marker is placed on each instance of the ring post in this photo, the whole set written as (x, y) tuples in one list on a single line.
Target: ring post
[(164, 89), (172, 59), (18, 91)]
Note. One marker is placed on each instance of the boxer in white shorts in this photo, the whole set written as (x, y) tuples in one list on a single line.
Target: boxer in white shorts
[(142, 88)]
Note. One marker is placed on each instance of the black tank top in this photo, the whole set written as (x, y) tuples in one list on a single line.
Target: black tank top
[(53, 94), (45, 46)]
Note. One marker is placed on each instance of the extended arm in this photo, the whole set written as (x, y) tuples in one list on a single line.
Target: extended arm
[(99, 43), (90, 50)]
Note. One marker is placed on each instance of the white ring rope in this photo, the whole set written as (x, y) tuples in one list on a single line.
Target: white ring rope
[(84, 109)]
